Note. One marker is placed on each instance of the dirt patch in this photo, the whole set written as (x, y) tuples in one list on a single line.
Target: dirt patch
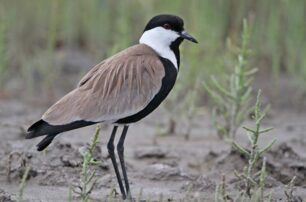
[(167, 165), (5, 197), (284, 163)]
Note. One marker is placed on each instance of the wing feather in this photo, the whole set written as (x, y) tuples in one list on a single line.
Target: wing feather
[(116, 88)]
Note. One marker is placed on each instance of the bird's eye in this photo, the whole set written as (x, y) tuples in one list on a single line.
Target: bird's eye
[(167, 26)]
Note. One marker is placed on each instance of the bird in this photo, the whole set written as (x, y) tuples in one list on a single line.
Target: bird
[(120, 90)]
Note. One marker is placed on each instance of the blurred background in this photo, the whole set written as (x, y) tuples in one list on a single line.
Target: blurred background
[(46, 46)]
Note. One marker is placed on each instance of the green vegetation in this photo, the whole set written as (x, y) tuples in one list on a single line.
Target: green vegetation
[(231, 99), (23, 183), (31, 32), (3, 47), (88, 177), (253, 180), (254, 187)]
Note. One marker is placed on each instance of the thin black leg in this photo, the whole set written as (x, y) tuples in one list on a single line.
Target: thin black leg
[(120, 149), (111, 151)]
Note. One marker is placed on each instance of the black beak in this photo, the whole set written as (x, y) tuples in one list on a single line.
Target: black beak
[(187, 36)]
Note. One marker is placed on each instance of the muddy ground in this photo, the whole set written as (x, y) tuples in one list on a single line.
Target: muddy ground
[(167, 166)]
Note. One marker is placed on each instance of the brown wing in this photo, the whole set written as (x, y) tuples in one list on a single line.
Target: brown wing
[(116, 88)]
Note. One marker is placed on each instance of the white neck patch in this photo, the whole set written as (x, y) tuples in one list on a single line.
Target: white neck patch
[(160, 40)]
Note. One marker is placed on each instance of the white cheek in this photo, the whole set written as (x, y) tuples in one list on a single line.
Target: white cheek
[(159, 35), (160, 40), (168, 36)]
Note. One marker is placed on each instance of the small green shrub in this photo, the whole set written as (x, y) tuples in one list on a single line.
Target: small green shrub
[(231, 98), (254, 153), (88, 177), (254, 182)]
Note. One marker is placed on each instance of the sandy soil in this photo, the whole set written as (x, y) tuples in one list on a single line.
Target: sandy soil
[(167, 166)]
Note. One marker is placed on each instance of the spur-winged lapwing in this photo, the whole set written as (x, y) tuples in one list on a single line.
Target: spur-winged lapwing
[(120, 90)]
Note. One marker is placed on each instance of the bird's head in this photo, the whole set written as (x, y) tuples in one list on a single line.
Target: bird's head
[(165, 30)]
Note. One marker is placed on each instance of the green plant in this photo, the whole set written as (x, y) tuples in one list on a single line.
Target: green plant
[(23, 183), (3, 46), (88, 180), (253, 182), (70, 194), (220, 193), (50, 72), (253, 155), (231, 99)]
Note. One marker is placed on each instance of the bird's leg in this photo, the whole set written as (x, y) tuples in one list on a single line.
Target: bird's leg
[(111, 151), (120, 149)]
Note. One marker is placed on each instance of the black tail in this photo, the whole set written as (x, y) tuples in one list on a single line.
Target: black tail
[(38, 129), (41, 128), (45, 142)]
